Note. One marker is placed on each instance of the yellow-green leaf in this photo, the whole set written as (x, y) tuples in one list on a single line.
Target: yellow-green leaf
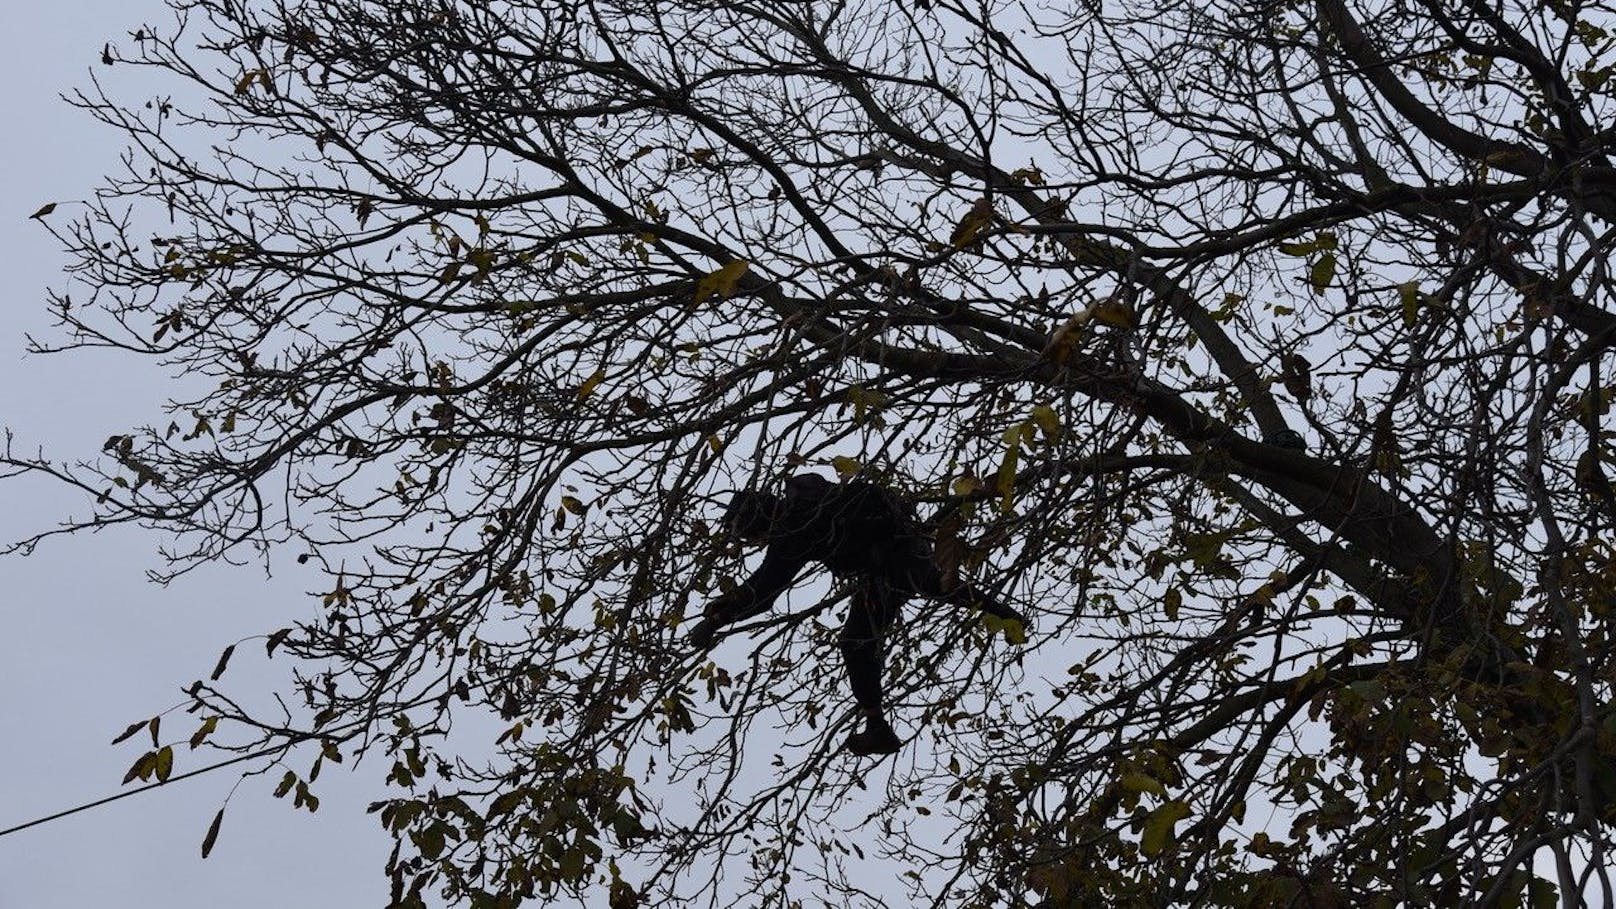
[(1005, 480), (1408, 293), (164, 764), (506, 803), (1014, 632), (591, 383), (1047, 420), (1324, 242), (213, 833), (140, 768), (723, 281), (1158, 832), (203, 731), (1205, 548), (622, 894), (966, 486), (1028, 175), (572, 865), (846, 467), (1115, 313), (1142, 782), (865, 401), (1322, 273), (973, 223)]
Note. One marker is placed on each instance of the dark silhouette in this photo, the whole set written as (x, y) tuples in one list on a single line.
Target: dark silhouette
[(857, 530)]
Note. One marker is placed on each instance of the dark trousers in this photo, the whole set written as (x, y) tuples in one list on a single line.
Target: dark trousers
[(877, 602)]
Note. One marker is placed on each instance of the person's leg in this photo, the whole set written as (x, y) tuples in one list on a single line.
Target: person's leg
[(863, 646)]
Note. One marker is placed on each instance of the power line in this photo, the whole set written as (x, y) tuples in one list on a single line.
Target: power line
[(263, 752), (138, 790)]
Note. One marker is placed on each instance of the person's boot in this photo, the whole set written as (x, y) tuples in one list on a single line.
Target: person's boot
[(877, 738)]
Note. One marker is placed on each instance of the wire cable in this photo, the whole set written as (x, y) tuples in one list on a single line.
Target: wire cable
[(139, 789), (240, 758)]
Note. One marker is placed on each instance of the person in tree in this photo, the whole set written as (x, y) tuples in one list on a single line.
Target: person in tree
[(860, 531)]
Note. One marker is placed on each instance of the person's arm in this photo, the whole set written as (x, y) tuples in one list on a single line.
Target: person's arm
[(754, 595), (928, 581), (968, 594)]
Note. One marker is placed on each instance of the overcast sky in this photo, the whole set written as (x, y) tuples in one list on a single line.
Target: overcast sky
[(88, 645)]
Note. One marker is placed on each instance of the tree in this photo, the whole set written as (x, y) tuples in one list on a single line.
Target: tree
[(1257, 351)]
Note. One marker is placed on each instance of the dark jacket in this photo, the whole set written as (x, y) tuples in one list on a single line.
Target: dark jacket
[(854, 529)]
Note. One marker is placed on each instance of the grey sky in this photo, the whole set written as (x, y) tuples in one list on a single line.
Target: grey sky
[(88, 645)]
